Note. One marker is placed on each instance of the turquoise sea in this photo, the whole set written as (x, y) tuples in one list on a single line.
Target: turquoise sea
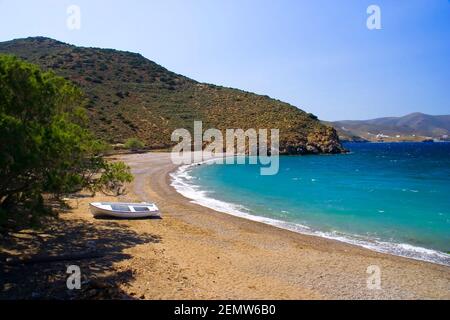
[(389, 197)]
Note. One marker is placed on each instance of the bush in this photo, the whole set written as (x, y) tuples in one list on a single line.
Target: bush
[(312, 116), (45, 148), (134, 144), (120, 95)]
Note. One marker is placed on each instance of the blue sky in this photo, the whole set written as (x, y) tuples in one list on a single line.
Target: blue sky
[(317, 55)]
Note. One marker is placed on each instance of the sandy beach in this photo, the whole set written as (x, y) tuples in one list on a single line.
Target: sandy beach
[(196, 253)]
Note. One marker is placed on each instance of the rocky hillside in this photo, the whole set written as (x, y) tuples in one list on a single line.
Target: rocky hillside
[(131, 96), (412, 127)]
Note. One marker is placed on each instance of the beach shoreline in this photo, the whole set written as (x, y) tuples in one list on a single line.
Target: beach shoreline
[(204, 254), (181, 180), (218, 222)]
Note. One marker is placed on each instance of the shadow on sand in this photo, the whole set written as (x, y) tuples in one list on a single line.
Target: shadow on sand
[(33, 264)]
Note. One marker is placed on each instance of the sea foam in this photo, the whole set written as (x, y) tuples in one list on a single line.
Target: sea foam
[(182, 182)]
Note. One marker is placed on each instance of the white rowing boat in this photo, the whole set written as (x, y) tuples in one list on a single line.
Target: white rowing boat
[(124, 210)]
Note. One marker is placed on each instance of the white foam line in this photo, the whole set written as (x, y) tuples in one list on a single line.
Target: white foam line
[(181, 182)]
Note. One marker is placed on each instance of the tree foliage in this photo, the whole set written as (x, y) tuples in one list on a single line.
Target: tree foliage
[(45, 147)]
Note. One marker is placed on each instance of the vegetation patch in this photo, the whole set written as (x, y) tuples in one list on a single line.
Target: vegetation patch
[(46, 150)]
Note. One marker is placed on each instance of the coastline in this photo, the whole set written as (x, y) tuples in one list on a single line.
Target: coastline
[(251, 237), (194, 252), (181, 182)]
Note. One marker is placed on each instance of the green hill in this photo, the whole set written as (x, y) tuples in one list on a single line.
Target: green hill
[(131, 96)]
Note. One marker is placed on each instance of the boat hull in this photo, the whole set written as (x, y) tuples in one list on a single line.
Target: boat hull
[(98, 210)]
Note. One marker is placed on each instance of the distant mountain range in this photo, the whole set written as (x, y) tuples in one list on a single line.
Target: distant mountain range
[(412, 127), (131, 96)]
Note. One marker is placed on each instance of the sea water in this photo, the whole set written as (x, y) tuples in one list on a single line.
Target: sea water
[(389, 197)]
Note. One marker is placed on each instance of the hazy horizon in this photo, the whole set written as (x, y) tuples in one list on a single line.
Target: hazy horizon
[(319, 56)]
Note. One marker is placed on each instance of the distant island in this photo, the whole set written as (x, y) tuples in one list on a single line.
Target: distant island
[(414, 127), (129, 96)]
